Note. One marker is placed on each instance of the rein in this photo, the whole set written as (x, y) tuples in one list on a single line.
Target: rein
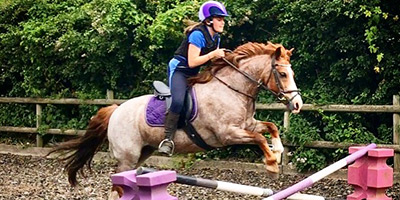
[(280, 96), (230, 87)]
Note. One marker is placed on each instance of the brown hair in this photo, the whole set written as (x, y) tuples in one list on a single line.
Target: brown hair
[(190, 25)]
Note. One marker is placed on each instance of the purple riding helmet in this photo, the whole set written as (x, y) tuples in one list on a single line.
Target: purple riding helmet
[(211, 9)]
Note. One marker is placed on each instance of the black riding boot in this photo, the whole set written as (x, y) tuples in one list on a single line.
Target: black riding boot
[(167, 146)]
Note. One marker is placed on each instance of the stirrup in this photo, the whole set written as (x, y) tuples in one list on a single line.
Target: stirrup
[(168, 141)]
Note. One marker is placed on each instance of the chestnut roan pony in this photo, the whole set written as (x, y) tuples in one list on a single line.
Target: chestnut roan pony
[(226, 93)]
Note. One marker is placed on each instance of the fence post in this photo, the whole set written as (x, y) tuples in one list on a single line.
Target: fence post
[(396, 132), (110, 94), (286, 124), (39, 138)]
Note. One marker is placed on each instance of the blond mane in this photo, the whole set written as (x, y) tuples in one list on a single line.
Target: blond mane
[(244, 51)]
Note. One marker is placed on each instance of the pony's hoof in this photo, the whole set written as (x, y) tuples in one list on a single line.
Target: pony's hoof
[(271, 165), (273, 168), (272, 175), (273, 171), (113, 195)]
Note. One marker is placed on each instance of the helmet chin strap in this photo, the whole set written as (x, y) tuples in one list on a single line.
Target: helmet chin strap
[(211, 24)]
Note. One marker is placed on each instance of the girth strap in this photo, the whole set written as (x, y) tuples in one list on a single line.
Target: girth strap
[(195, 137)]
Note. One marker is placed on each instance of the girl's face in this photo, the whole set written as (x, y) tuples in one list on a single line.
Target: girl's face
[(218, 23)]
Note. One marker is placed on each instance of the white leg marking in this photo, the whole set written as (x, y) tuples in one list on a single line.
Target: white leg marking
[(278, 148)]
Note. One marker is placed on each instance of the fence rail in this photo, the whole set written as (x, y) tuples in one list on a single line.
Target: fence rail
[(395, 109), (336, 108), (66, 101), (313, 144), (272, 106)]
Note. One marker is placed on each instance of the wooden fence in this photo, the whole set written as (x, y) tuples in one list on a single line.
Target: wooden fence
[(395, 109)]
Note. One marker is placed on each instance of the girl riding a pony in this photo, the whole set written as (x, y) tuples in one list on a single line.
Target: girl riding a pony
[(200, 45)]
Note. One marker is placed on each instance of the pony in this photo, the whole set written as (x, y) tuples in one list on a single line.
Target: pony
[(226, 93)]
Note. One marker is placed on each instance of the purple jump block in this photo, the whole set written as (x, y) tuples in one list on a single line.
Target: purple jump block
[(156, 178), (153, 186), (126, 180)]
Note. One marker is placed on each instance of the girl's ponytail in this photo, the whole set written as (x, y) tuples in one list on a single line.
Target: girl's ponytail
[(190, 25)]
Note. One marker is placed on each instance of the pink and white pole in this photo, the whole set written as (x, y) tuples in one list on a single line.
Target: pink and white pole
[(321, 174)]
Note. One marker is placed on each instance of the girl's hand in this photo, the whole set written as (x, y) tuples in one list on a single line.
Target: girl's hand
[(217, 53)]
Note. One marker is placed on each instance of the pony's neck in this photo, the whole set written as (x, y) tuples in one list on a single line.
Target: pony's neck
[(256, 67)]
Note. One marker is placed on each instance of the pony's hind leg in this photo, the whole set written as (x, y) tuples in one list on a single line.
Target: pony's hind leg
[(126, 161), (127, 152), (132, 160), (127, 158), (147, 151)]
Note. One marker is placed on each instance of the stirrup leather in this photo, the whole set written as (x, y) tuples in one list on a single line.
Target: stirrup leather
[(170, 141)]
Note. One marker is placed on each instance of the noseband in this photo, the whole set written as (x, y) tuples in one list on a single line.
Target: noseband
[(281, 93)]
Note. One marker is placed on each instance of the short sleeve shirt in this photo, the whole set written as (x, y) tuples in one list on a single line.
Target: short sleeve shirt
[(197, 39)]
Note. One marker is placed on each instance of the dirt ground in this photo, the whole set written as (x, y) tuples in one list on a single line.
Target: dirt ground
[(27, 177)]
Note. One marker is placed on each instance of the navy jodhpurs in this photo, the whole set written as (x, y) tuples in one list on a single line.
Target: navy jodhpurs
[(178, 87)]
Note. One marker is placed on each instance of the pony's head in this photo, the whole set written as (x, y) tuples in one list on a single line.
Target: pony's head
[(279, 78)]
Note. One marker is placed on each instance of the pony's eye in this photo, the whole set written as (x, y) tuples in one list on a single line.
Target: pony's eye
[(283, 74)]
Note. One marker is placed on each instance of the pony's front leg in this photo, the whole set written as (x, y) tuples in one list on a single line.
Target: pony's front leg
[(262, 127), (241, 136)]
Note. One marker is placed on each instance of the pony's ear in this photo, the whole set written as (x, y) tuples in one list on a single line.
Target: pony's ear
[(278, 52), (289, 53)]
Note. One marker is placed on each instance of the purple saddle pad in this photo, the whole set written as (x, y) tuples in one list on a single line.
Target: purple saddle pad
[(156, 109)]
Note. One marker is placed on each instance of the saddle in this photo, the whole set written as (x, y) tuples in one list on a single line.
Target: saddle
[(159, 104)]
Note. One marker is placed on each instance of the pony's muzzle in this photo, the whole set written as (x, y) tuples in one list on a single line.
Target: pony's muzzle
[(295, 104)]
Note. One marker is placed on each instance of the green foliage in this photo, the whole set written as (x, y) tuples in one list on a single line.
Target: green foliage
[(327, 127), (60, 48), (17, 115), (385, 133), (67, 117), (333, 50), (302, 131), (246, 153), (309, 160), (337, 130)]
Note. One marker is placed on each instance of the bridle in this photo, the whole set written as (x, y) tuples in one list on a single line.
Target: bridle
[(280, 95)]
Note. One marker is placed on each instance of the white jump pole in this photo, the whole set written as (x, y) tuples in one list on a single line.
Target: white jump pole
[(228, 186)]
